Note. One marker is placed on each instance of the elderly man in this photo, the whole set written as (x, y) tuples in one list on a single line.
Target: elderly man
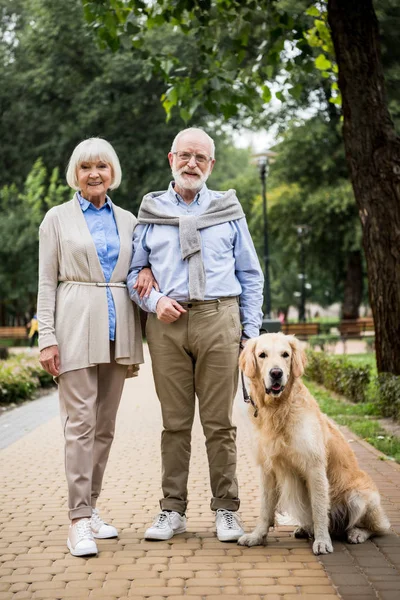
[(198, 246)]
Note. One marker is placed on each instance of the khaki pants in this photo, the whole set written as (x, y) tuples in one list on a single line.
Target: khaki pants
[(197, 355), (89, 400)]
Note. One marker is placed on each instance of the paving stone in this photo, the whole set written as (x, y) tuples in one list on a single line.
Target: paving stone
[(36, 565)]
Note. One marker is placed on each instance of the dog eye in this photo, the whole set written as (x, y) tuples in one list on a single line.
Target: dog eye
[(262, 355), (285, 355)]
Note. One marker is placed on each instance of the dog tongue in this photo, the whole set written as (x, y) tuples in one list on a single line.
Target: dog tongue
[(276, 386)]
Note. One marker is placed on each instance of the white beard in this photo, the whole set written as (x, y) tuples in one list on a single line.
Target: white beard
[(185, 182)]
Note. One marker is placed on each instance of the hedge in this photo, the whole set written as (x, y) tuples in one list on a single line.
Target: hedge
[(340, 375), (356, 381), (20, 377), (387, 386)]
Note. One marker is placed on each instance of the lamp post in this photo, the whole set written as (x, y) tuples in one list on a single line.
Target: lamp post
[(262, 162), (302, 231)]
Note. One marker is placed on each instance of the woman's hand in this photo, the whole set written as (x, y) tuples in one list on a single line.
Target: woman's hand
[(50, 360), (145, 282)]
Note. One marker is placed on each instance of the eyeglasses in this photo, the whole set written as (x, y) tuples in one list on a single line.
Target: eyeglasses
[(201, 159)]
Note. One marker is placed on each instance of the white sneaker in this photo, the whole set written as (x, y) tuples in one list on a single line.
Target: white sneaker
[(100, 529), (228, 525), (80, 540), (165, 526)]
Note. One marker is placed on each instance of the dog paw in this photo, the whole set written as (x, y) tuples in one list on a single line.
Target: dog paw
[(302, 533), (322, 546), (357, 536), (252, 539)]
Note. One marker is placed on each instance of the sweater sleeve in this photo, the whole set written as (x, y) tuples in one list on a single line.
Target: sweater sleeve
[(48, 281)]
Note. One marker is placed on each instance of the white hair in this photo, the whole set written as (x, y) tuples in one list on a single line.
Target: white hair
[(193, 130), (89, 150)]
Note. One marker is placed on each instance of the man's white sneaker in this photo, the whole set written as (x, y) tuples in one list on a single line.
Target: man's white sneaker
[(100, 529), (166, 525), (228, 525), (80, 540)]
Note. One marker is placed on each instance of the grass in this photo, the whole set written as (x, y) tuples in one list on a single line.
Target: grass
[(359, 418)]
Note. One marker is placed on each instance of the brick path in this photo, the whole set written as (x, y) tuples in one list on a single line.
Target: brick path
[(35, 563)]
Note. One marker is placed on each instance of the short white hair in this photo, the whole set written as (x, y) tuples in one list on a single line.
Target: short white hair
[(193, 130), (89, 150)]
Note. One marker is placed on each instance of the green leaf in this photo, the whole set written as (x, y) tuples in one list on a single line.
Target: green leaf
[(266, 93), (322, 63), (313, 11)]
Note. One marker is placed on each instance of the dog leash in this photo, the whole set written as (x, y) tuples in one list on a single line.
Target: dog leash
[(246, 397)]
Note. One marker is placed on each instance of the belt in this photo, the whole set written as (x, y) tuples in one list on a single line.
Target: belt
[(120, 284), (218, 301)]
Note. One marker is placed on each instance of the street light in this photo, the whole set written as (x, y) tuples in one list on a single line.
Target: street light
[(302, 231), (262, 162)]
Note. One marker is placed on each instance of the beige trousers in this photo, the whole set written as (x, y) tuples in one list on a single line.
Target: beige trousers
[(89, 400), (197, 355)]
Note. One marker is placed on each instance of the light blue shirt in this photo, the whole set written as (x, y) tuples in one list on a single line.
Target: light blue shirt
[(230, 260), (103, 229)]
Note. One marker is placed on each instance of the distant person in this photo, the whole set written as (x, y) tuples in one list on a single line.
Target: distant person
[(199, 247), (89, 331), (33, 331), (281, 317)]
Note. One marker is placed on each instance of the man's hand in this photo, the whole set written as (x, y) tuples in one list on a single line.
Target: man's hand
[(168, 310), (50, 360), (145, 282)]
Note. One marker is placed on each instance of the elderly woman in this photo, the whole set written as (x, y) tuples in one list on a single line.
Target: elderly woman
[(89, 330)]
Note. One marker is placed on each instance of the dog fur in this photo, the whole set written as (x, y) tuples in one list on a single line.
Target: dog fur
[(307, 467)]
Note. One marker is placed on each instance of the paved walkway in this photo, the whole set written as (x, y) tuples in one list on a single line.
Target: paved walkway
[(35, 563)]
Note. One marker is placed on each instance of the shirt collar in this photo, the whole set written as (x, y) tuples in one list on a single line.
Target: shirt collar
[(177, 198), (85, 204)]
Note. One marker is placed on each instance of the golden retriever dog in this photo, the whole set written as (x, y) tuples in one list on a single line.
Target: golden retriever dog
[(307, 467)]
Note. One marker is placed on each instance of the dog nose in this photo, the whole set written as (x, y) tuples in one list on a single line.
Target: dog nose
[(276, 373)]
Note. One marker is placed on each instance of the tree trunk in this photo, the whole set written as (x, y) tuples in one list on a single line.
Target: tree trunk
[(373, 156), (353, 286)]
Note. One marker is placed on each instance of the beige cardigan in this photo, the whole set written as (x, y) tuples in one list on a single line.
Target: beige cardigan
[(76, 316)]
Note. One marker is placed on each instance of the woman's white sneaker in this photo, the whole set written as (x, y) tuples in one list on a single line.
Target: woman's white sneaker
[(100, 529), (166, 525), (80, 540), (228, 525)]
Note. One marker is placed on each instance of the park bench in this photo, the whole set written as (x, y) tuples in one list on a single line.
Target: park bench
[(355, 327), (13, 333), (300, 329)]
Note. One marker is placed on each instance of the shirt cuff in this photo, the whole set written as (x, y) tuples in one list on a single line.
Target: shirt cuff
[(153, 299)]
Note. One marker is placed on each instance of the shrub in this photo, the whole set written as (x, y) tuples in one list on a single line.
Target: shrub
[(340, 375), (20, 377), (387, 386), (323, 341)]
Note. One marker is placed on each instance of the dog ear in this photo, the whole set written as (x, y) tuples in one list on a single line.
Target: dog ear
[(298, 357), (247, 359)]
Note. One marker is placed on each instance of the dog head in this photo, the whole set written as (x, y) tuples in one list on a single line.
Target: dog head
[(272, 360)]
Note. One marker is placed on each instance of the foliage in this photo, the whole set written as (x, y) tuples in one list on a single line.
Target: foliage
[(20, 377), (339, 375), (323, 342), (20, 216), (359, 418), (387, 388), (241, 47), (76, 91)]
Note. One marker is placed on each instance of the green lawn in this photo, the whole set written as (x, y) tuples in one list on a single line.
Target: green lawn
[(359, 418)]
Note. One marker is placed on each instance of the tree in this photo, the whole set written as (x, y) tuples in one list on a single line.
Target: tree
[(241, 46), (20, 216), (58, 88)]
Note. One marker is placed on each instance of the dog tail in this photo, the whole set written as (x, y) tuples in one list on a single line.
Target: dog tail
[(366, 511), (375, 518)]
